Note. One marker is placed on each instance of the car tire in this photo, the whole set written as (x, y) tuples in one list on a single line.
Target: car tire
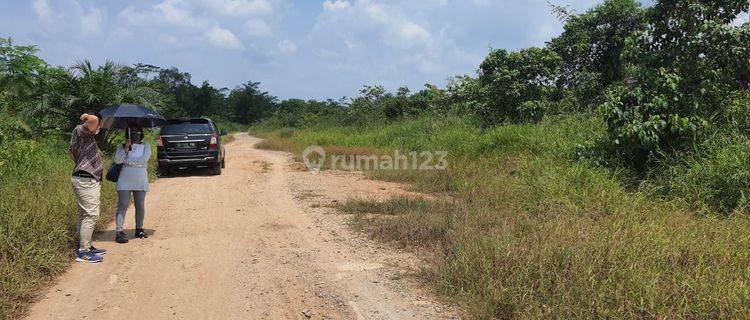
[(165, 171), (216, 169)]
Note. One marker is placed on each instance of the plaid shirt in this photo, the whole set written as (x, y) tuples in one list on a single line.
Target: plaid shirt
[(85, 152)]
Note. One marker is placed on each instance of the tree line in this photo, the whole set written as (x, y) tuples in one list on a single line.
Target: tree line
[(38, 99), (663, 78)]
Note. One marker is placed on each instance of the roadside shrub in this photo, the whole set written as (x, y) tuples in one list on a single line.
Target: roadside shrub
[(37, 218), (286, 133), (463, 96), (228, 125), (591, 46), (736, 119), (516, 84), (682, 74), (644, 121), (713, 182)]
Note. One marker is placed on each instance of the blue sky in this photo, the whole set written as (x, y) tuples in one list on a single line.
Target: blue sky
[(305, 49)]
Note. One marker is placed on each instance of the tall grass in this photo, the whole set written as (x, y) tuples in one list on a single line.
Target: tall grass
[(38, 215), (229, 126), (530, 233)]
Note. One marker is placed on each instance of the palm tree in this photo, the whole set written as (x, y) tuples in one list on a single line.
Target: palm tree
[(20, 72), (86, 88), (35, 96)]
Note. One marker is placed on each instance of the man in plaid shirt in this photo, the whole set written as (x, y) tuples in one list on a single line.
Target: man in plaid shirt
[(86, 180)]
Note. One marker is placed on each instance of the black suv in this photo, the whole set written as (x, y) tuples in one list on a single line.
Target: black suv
[(190, 143)]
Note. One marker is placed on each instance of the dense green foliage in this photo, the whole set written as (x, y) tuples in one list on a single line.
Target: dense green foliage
[(591, 46), (247, 103), (38, 99), (517, 84), (686, 66), (301, 113)]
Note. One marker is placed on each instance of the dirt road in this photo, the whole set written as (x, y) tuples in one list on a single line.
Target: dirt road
[(258, 242)]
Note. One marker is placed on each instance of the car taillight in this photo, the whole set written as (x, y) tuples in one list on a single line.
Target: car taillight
[(159, 143), (214, 141)]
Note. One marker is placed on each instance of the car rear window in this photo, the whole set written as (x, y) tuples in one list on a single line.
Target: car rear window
[(187, 127)]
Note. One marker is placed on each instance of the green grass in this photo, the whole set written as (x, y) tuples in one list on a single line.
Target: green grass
[(228, 126), (530, 233), (713, 181), (37, 219), (228, 138)]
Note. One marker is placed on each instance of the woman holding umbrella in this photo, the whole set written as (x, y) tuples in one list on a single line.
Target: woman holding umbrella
[(132, 158), (133, 154)]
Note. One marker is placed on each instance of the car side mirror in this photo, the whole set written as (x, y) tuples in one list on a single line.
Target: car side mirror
[(223, 132)]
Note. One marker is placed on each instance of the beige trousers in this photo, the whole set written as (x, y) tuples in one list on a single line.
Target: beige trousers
[(87, 192)]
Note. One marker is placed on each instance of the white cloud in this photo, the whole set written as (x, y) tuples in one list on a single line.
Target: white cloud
[(366, 18), (287, 47), (329, 47), (239, 8), (337, 5), (131, 16), (186, 22), (42, 9), (174, 12), (223, 38), (257, 28), (410, 31), (399, 30), (374, 10), (68, 16), (91, 22), (169, 12)]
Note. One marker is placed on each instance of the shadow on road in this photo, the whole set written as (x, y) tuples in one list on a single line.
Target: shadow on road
[(109, 235), (187, 172)]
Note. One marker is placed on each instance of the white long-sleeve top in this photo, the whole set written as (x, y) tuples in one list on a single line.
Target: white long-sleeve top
[(134, 174)]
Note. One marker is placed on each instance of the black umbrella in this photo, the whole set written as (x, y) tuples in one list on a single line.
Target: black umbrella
[(121, 116)]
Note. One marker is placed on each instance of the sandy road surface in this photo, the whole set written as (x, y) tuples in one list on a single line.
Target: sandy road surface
[(257, 242)]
